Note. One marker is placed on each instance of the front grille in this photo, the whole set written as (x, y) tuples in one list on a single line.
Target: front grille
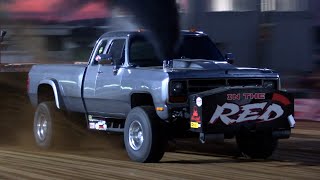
[(200, 85), (244, 82)]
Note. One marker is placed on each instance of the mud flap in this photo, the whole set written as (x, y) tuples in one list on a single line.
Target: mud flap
[(226, 110)]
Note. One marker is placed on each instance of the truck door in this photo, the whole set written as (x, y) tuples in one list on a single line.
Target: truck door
[(108, 84), (91, 77)]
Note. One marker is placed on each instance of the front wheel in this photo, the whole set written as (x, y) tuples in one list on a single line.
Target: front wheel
[(256, 145), (144, 135)]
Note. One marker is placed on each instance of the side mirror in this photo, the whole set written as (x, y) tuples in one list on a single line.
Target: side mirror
[(104, 59), (229, 58)]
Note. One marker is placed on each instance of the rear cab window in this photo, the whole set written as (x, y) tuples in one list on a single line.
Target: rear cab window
[(142, 52)]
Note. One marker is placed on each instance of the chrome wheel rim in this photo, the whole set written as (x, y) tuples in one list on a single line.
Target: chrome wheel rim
[(42, 127), (135, 135)]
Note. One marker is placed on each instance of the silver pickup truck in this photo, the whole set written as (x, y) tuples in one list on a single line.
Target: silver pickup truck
[(126, 88)]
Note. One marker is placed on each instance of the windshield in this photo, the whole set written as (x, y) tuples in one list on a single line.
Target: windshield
[(199, 47), (142, 52)]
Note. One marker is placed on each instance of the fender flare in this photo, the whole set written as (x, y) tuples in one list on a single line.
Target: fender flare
[(162, 114), (55, 89)]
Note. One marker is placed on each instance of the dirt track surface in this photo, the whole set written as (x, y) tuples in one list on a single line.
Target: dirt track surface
[(103, 157)]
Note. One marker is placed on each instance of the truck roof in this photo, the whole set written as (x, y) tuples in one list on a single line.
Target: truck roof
[(129, 33)]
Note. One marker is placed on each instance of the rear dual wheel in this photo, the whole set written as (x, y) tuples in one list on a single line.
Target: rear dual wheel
[(52, 128), (256, 145)]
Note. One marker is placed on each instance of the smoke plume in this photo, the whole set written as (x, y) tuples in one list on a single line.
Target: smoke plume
[(158, 16), (161, 18)]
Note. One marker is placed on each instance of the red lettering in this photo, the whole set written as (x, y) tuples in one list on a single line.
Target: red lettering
[(232, 97), (246, 95), (237, 97), (261, 96), (254, 95)]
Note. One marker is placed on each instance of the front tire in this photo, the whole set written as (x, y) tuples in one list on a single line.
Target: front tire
[(144, 136), (256, 145)]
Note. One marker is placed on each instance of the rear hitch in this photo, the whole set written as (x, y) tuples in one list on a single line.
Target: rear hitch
[(281, 134)]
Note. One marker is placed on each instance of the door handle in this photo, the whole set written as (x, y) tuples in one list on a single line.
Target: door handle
[(100, 72)]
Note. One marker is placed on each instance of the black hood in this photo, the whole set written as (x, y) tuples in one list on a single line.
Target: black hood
[(201, 64), (184, 68)]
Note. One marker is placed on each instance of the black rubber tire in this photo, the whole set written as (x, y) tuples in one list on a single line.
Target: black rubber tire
[(59, 132), (256, 145), (155, 141)]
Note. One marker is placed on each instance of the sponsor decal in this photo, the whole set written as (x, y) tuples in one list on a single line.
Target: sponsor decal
[(195, 115), (230, 113), (97, 124), (280, 98), (199, 101), (92, 126), (250, 96), (195, 125), (101, 125)]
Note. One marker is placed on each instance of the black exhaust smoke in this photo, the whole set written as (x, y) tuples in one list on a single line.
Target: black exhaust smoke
[(159, 16)]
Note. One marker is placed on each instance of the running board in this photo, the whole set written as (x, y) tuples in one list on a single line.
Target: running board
[(104, 124), (116, 130)]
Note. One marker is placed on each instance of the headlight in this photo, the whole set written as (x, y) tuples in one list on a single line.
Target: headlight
[(178, 87), (178, 91), (269, 84)]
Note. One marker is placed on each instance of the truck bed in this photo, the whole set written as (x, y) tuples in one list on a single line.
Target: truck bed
[(68, 77)]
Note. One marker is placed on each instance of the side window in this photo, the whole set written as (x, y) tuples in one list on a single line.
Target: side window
[(117, 51), (101, 50)]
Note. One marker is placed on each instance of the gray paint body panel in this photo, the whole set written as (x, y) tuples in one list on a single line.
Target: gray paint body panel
[(68, 82)]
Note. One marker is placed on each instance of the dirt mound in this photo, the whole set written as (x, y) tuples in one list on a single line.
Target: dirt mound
[(15, 110)]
